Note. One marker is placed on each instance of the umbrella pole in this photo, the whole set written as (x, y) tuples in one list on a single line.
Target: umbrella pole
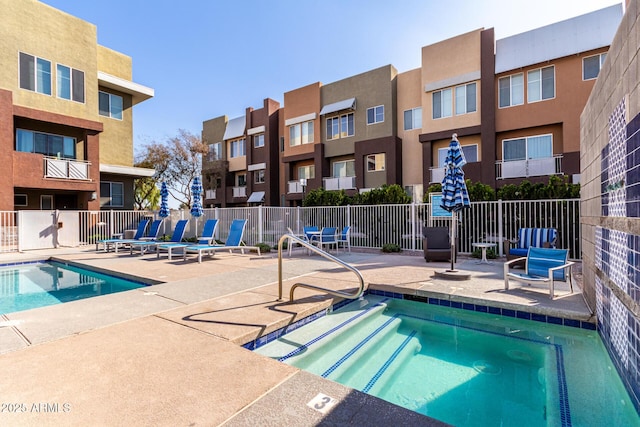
[(453, 239)]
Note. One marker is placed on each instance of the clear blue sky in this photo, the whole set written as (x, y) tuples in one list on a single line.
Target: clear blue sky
[(207, 58)]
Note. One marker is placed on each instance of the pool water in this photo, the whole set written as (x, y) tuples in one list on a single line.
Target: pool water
[(464, 368), (28, 286)]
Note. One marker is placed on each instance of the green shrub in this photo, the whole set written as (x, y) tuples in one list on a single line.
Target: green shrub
[(264, 247), (391, 247)]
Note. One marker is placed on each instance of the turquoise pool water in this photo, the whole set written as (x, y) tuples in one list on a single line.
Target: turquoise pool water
[(28, 286), (464, 368)]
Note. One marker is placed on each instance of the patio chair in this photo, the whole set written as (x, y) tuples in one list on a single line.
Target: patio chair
[(116, 243), (344, 237), (208, 232), (542, 265), (327, 237), (529, 238), (300, 236), (144, 246), (436, 244), (154, 230), (234, 241)]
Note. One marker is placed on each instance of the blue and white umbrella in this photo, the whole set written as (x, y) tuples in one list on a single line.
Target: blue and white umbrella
[(164, 203), (454, 190), (196, 195)]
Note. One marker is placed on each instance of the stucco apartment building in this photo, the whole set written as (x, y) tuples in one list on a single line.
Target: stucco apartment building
[(66, 126), (514, 104)]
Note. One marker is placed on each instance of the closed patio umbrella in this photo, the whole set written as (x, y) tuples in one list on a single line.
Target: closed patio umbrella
[(454, 190), (164, 203), (196, 206)]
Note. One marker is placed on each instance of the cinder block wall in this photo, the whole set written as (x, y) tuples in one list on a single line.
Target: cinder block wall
[(610, 198)]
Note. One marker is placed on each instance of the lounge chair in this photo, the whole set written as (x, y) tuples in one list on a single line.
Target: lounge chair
[(116, 243), (234, 241), (529, 238), (204, 241), (344, 237), (542, 265), (154, 230), (327, 237), (436, 244), (145, 246)]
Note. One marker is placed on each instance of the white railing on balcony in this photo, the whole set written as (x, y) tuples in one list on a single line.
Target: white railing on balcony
[(295, 187), (210, 194), (437, 174), (530, 167), (342, 183), (65, 168), (239, 191)]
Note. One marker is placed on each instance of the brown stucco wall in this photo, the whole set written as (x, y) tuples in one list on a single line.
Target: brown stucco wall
[(6, 150)]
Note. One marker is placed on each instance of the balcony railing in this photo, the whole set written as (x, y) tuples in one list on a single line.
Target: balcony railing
[(295, 187), (437, 174), (210, 194), (530, 167), (342, 183), (65, 168), (239, 191)]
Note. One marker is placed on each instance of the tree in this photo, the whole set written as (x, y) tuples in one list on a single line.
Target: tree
[(177, 162)]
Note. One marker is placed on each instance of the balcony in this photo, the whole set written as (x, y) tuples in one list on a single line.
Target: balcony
[(239, 191), (437, 174), (66, 169), (210, 194), (531, 167), (342, 183), (295, 187)]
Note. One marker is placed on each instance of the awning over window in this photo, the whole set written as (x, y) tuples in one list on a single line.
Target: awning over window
[(235, 128), (256, 197), (347, 104)]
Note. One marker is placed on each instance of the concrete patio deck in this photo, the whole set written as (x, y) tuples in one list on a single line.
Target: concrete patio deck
[(170, 354)]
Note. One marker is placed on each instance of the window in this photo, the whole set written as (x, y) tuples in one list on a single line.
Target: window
[(375, 162), (511, 90), (69, 83), (35, 74), (237, 148), (340, 127), (43, 143), (46, 202), (307, 172), (110, 105), (112, 193), (301, 133), (532, 147), (470, 153), (258, 176), (591, 66), (215, 151), (20, 200), (258, 140), (413, 119), (241, 180), (441, 103), (541, 84), (344, 168), (375, 115), (466, 99)]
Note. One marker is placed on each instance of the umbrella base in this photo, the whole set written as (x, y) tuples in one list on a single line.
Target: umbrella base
[(452, 275)]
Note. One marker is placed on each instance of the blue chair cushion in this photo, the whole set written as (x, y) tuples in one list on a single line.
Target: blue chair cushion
[(540, 260), (518, 252), (535, 237)]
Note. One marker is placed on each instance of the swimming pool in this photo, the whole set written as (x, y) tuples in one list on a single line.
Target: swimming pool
[(27, 286), (461, 367)]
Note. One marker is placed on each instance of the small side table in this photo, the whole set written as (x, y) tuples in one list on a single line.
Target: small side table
[(484, 247)]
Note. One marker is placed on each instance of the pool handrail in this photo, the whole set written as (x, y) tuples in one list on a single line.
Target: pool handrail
[(292, 238)]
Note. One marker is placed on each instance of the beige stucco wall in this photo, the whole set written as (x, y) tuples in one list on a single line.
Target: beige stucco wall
[(236, 163), (114, 63), (371, 89), (37, 29), (409, 97), (439, 66)]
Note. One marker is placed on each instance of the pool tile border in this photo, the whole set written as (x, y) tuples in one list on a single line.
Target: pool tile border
[(483, 308)]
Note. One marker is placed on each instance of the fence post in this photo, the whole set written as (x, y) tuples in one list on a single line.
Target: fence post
[(500, 228), (298, 220), (20, 231), (413, 227), (110, 223), (260, 237)]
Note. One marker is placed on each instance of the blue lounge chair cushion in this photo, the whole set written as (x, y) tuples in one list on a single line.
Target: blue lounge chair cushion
[(535, 237)]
